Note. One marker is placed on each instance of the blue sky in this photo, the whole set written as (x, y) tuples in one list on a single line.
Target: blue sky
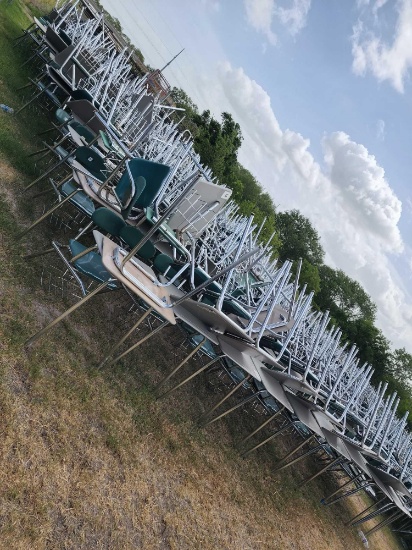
[(322, 91)]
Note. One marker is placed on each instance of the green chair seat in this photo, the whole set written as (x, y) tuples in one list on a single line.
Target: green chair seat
[(229, 306), (61, 151), (62, 116), (155, 175), (107, 142), (90, 264), (200, 276), (132, 236), (52, 96), (164, 263), (80, 199), (92, 161), (82, 131), (108, 221)]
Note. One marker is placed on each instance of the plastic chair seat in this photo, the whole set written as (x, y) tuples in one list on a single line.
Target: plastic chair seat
[(49, 94), (90, 264), (62, 116), (164, 263), (92, 162), (229, 306), (132, 236), (108, 221), (80, 199)]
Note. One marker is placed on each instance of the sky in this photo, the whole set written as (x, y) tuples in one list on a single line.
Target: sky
[(322, 92)]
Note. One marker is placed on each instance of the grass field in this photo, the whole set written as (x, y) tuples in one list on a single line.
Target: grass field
[(89, 458)]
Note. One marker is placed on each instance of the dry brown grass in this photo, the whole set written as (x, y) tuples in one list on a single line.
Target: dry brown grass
[(90, 460)]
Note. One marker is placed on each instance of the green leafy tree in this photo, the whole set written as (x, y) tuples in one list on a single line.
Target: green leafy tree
[(298, 237), (400, 366), (344, 297), (309, 275)]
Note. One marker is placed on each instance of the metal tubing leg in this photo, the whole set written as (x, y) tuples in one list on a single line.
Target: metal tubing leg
[(265, 423), (180, 365), (49, 130), (36, 336), (49, 171), (311, 478), (49, 148), (205, 416), (296, 449), (36, 254), (346, 494), (38, 152), (125, 337), (248, 452), (404, 524), (384, 523), (137, 344), (351, 480), (56, 186), (25, 86), (47, 214), (83, 253), (212, 362), (243, 402), (372, 515), (32, 99), (300, 457), (84, 230), (364, 511)]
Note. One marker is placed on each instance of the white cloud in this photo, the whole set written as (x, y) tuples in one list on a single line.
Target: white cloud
[(380, 130), (213, 5), (294, 18), (349, 201), (386, 61), (261, 15), (361, 181), (378, 5)]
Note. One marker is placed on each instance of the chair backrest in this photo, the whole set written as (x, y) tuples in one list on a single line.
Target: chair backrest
[(56, 77), (82, 109), (64, 55), (154, 174), (129, 188), (92, 161), (82, 94), (54, 40), (65, 37)]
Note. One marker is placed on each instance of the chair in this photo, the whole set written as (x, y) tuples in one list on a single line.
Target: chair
[(122, 198)]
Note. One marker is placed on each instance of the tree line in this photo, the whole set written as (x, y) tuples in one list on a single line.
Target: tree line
[(351, 308)]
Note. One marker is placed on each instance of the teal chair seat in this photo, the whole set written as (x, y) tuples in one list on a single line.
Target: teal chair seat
[(132, 236), (80, 199), (90, 264), (229, 306), (108, 221), (62, 116), (164, 263), (82, 131), (52, 96), (200, 276), (92, 161)]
